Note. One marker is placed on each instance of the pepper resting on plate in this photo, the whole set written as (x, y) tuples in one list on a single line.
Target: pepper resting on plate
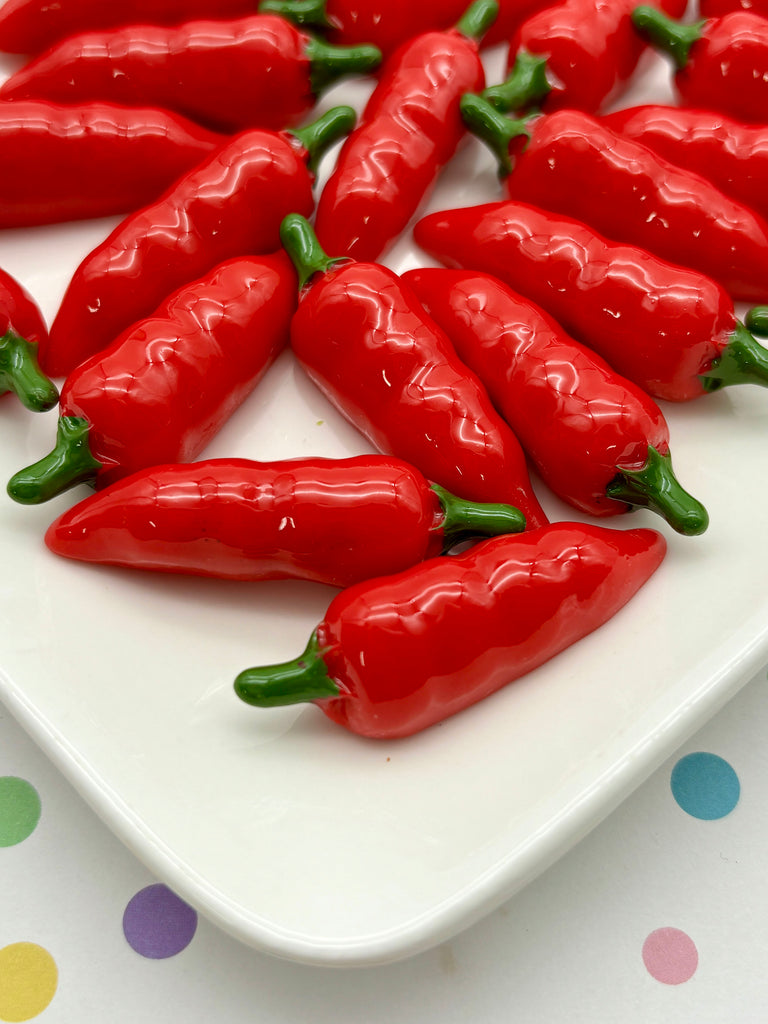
[(366, 342), (93, 160), (732, 154), (457, 628), (410, 128), (722, 63), (572, 163), (671, 330), (578, 53), (334, 521), (163, 389), (597, 440), (231, 204), (389, 23), (22, 329), (251, 72)]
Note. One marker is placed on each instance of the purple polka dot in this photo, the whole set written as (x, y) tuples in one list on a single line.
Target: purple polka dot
[(157, 924), (670, 956)]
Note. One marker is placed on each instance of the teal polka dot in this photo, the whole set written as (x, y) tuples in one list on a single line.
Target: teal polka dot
[(705, 786), (19, 810)]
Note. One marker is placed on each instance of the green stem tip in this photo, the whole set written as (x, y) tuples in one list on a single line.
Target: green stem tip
[(21, 374), (526, 85), (493, 128), (743, 361), (317, 136), (478, 18), (329, 63), (465, 519), (70, 463), (301, 243), (656, 487), (301, 12), (756, 320), (666, 34), (300, 681)]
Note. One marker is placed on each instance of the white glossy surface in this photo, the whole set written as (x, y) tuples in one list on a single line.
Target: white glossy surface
[(292, 835)]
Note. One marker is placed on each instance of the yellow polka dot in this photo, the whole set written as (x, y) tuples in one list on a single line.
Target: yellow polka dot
[(28, 979)]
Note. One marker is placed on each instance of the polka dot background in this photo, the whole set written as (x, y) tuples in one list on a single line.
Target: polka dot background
[(657, 915)]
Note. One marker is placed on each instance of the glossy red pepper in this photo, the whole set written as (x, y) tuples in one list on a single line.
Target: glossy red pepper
[(579, 53), (572, 163), (731, 154), (251, 72), (164, 388), (229, 205), (457, 629), (671, 330), (22, 329), (717, 8), (334, 521), (596, 439), (722, 63), (30, 26), (93, 160), (410, 128), (390, 23), (366, 342)]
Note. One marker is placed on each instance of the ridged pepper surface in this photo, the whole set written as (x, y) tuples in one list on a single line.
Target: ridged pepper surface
[(258, 71), (333, 521), (165, 386), (366, 342), (458, 628)]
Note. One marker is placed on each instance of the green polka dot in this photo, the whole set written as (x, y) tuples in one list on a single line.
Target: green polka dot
[(19, 810)]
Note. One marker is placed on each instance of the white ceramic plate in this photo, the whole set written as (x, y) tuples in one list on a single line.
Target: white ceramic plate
[(293, 835)]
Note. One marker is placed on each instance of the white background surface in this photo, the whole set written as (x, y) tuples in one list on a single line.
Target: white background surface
[(567, 950)]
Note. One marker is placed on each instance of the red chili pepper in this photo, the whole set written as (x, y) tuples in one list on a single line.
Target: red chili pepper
[(230, 205), (94, 160), (30, 26), (410, 128), (163, 389), (227, 75), (458, 629), (595, 438), (718, 8), (671, 330), (334, 521), (390, 23), (722, 63), (572, 163), (580, 53), (22, 329), (731, 154), (363, 338)]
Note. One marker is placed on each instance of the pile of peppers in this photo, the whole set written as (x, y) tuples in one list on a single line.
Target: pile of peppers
[(532, 352)]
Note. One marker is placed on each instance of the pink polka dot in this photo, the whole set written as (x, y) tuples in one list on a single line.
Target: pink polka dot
[(670, 956)]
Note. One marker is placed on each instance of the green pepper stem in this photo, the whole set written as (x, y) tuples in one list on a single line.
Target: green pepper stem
[(301, 243), (20, 373), (495, 130), (299, 681), (464, 519), (756, 320), (656, 487), (673, 37), (742, 361), (329, 63), (300, 12), (70, 463), (527, 84), (477, 19), (322, 133)]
